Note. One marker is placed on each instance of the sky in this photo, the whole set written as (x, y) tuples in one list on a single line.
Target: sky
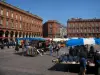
[(60, 10)]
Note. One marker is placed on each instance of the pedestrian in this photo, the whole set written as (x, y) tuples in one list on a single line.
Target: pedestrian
[(82, 64), (57, 49), (17, 47), (97, 62), (51, 49), (71, 51), (23, 47), (91, 52)]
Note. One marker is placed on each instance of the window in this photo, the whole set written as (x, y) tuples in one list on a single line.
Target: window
[(88, 29), (97, 25), (32, 21), (50, 25), (16, 16), (92, 24), (93, 30), (50, 31), (77, 30), (85, 29), (80, 24), (23, 18), (20, 25), (7, 22), (1, 11), (20, 17), (1, 21), (12, 24), (16, 24), (30, 27), (80, 30), (7, 13), (27, 26), (12, 14), (97, 29)]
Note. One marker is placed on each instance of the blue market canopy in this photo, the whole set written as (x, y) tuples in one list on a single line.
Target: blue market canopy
[(74, 42), (39, 39), (97, 40), (80, 41)]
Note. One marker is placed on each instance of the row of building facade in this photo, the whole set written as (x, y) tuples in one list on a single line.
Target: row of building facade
[(78, 27), (15, 22)]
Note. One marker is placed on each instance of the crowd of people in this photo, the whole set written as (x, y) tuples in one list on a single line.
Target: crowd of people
[(39, 46), (85, 55), (7, 43)]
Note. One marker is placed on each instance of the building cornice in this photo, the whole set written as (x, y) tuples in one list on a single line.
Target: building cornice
[(20, 10), (53, 21), (82, 20)]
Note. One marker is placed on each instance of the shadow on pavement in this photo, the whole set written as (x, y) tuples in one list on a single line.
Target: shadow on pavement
[(2, 73), (21, 54), (74, 68), (18, 53)]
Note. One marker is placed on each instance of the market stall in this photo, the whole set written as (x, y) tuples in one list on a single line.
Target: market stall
[(30, 45), (74, 59)]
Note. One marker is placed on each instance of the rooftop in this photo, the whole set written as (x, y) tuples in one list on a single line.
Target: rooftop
[(54, 21), (81, 19)]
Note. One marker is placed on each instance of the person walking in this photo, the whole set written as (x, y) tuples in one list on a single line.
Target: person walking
[(57, 49), (17, 47), (51, 49), (23, 47), (82, 64)]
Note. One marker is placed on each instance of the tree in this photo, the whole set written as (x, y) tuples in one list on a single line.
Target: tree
[(3, 0)]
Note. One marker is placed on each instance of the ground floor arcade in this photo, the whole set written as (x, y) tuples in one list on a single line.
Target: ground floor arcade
[(9, 35)]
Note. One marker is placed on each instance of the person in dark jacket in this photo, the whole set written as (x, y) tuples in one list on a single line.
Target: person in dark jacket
[(97, 63), (91, 52), (71, 51), (82, 64), (17, 47)]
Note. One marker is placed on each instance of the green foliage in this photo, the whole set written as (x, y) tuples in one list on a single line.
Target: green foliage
[(3, 0)]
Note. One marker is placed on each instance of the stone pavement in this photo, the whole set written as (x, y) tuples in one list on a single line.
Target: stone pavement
[(16, 64)]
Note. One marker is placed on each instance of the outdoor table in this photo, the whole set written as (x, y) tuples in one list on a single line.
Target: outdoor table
[(73, 67), (90, 64)]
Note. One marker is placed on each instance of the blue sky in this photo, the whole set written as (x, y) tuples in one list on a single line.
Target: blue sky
[(60, 10)]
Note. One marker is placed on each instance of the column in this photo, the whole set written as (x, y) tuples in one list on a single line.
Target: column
[(28, 35), (18, 35), (9, 37), (4, 34), (31, 36), (14, 36), (25, 36)]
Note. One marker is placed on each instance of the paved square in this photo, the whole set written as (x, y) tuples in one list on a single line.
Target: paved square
[(15, 64)]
